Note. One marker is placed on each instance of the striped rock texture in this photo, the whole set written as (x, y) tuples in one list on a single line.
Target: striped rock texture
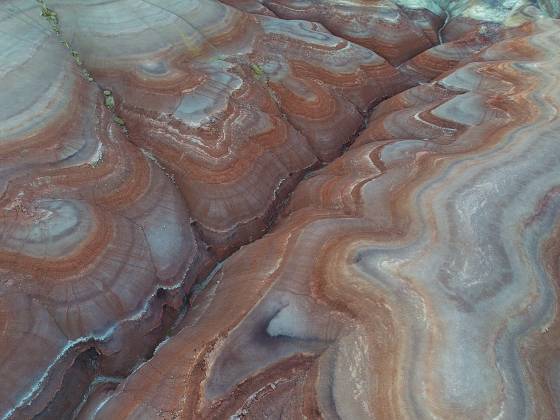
[(90, 229), (236, 106), (401, 159)]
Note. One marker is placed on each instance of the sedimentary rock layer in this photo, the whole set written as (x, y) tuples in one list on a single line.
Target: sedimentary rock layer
[(381, 26), (90, 228), (235, 105), (414, 277)]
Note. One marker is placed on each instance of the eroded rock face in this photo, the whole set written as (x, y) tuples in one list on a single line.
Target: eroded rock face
[(382, 26), (236, 106), (90, 228), (415, 276)]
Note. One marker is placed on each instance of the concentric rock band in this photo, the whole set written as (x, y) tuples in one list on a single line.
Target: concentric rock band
[(279, 209)]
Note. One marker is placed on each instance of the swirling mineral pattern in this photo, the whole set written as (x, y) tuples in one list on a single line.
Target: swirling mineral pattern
[(90, 228), (414, 277), (235, 106), (293, 209), (381, 26)]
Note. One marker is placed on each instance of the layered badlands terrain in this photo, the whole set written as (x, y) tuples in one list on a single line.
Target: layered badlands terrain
[(279, 209)]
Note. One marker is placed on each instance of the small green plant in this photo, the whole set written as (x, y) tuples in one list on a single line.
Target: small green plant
[(47, 13), (109, 100), (257, 70), (110, 104), (76, 56), (118, 120), (50, 16), (87, 75)]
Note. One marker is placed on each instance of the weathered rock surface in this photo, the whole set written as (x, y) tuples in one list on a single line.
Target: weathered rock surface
[(90, 228), (236, 106), (415, 276), (381, 26)]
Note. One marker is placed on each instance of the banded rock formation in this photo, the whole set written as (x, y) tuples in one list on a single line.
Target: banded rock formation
[(415, 276), (236, 106), (395, 33), (90, 228)]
